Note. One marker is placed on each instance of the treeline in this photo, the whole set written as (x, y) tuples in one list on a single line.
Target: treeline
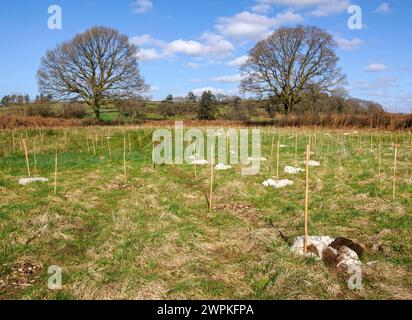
[(220, 107), (315, 110), (46, 108), (16, 99)]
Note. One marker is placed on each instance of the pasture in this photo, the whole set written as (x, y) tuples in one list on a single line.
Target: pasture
[(149, 234)]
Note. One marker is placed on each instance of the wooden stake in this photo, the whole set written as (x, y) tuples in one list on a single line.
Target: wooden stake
[(277, 160), (130, 144), (124, 159), (55, 172), (273, 145), (153, 148), (94, 148), (296, 150), (307, 199), (379, 159), (211, 181), (14, 141), (195, 164), (27, 157), (21, 142), (34, 156), (394, 172), (108, 147)]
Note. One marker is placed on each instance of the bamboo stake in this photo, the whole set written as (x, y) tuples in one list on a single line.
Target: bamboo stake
[(277, 160), (153, 150), (307, 199), (195, 163), (55, 172), (27, 157), (94, 148), (296, 150), (34, 156), (124, 159), (211, 182), (394, 172), (14, 141), (108, 147), (273, 145), (379, 159)]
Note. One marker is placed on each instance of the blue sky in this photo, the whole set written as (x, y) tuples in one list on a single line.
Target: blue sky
[(193, 44)]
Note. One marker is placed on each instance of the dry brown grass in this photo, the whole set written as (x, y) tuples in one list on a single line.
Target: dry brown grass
[(382, 121), (12, 122)]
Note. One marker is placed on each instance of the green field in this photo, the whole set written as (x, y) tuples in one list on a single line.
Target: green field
[(155, 238)]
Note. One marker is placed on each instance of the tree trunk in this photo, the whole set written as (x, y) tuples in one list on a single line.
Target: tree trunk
[(288, 108), (96, 109)]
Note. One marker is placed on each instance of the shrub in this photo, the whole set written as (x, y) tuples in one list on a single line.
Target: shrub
[(39, 109), (71, 111), (130, 108)]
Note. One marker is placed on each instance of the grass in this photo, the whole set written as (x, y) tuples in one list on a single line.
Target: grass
[(155, 237)]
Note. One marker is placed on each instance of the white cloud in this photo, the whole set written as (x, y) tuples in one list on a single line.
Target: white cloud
[(149, 54), (254, 26), (238, 61), (346, 44), (216, 44), (190, 47), (319, 8), (383, 8), (154, 88), (331, 7), (209, 44), (215, 91), (376, 67), (212, 44), (142, 6), (228, 79), (147, 39)]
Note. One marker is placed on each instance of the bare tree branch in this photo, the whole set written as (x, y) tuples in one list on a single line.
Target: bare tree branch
[(292, 63), (97, 67)]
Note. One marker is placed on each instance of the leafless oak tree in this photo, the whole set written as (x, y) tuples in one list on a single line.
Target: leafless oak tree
[(292, 63), (97, 67)]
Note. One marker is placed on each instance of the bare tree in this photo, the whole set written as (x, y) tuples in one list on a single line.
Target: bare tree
[(97, 67), (293, 63)]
